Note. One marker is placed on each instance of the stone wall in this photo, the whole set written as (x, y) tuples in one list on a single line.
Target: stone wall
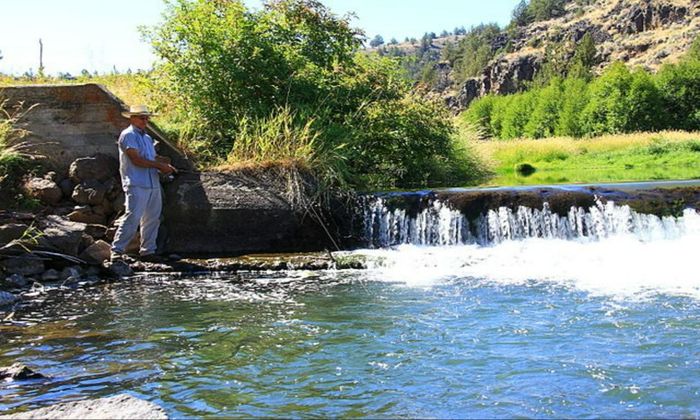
[(72, 121), (227, 214)]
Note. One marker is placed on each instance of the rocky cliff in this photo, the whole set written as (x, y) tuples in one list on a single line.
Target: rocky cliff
[(646, 33)]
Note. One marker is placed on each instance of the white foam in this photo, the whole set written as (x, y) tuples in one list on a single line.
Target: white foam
[(658, 256)]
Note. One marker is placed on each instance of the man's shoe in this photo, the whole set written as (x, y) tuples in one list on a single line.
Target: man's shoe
[(153, 258), (118, 256)]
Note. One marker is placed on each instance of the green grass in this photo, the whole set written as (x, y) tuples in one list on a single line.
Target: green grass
[(15, 162), (613, 158)]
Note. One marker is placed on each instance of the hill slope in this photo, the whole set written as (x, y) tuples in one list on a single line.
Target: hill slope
[(644, 33)]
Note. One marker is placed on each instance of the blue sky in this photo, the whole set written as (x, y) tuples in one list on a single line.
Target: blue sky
[(98, 35)]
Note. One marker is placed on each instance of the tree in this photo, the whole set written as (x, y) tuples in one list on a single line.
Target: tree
[(545, 115), (393, 41), (574, 100), (444, 34), (521, 14), (584, 58), (545, 9), (622, 101), (679, 86), (376, 41)]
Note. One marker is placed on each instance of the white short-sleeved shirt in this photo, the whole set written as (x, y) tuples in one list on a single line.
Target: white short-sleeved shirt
[(132, 175)]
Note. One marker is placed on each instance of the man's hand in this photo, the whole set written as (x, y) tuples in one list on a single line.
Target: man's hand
[(166, 168), (162, 166)]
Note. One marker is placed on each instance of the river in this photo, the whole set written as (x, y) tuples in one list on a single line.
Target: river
[(527, 314)]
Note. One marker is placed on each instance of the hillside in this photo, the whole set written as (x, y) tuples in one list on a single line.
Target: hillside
[(646, 33)]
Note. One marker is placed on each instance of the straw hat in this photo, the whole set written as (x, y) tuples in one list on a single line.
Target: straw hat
[(138, 110)]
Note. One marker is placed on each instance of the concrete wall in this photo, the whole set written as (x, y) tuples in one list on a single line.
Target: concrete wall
[(72, 121)]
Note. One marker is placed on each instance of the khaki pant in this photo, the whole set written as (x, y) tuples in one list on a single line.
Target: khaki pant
[(143, 207)]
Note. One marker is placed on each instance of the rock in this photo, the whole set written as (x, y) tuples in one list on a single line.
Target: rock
[(119, 203), (86, 241), (113, 188), (235, 213), (84, 214), (92, 270), (109, 236), (16, 280), (67, 186), (50, 275), (51, 176), (62, 235), (7, 298), (99, 167), (471, 89), (96, 231), (73, 271), (25, 265), (120, 406), (45, 190), (97, 253), (11, 231), (119, 268), (90, 192), (508, 75), (19, 371)]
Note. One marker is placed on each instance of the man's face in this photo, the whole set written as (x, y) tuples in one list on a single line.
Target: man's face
[(139, 121)]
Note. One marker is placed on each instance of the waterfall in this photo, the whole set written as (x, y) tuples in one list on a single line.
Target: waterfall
[(438, 224)]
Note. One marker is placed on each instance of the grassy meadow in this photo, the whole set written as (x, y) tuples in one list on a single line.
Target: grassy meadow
[(664, 155)]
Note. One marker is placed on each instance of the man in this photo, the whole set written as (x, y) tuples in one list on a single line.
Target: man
[(139, 166)]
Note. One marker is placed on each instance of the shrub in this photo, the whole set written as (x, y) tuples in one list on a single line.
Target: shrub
[(288, 83), (517, 114), (544, 118), (479, 115), (574, 100), (400, 142), (679, 86)]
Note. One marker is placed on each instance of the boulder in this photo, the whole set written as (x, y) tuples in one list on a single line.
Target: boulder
[(119, 203), (45, 190), (25, 265), (119, 268), (67, 185), (62, 235), (19, 371), (100, 167), (11, 231), (16, 280), (96, 253), (85, 214), (50, 275), (96, 231), (90, 192), (7, 298), (68, 272), (120, 406), (109, 236)]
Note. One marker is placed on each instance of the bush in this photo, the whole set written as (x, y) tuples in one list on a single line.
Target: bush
[(574, 100), (544, 118), (517, 114), (287, 83), (479, 115), (621, 101), (679, 85), (400, 142)]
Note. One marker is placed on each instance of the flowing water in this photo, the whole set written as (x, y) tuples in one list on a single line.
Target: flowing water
[(521, 313)]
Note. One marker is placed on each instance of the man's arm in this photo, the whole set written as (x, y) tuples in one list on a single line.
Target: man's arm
[(137, 160)]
